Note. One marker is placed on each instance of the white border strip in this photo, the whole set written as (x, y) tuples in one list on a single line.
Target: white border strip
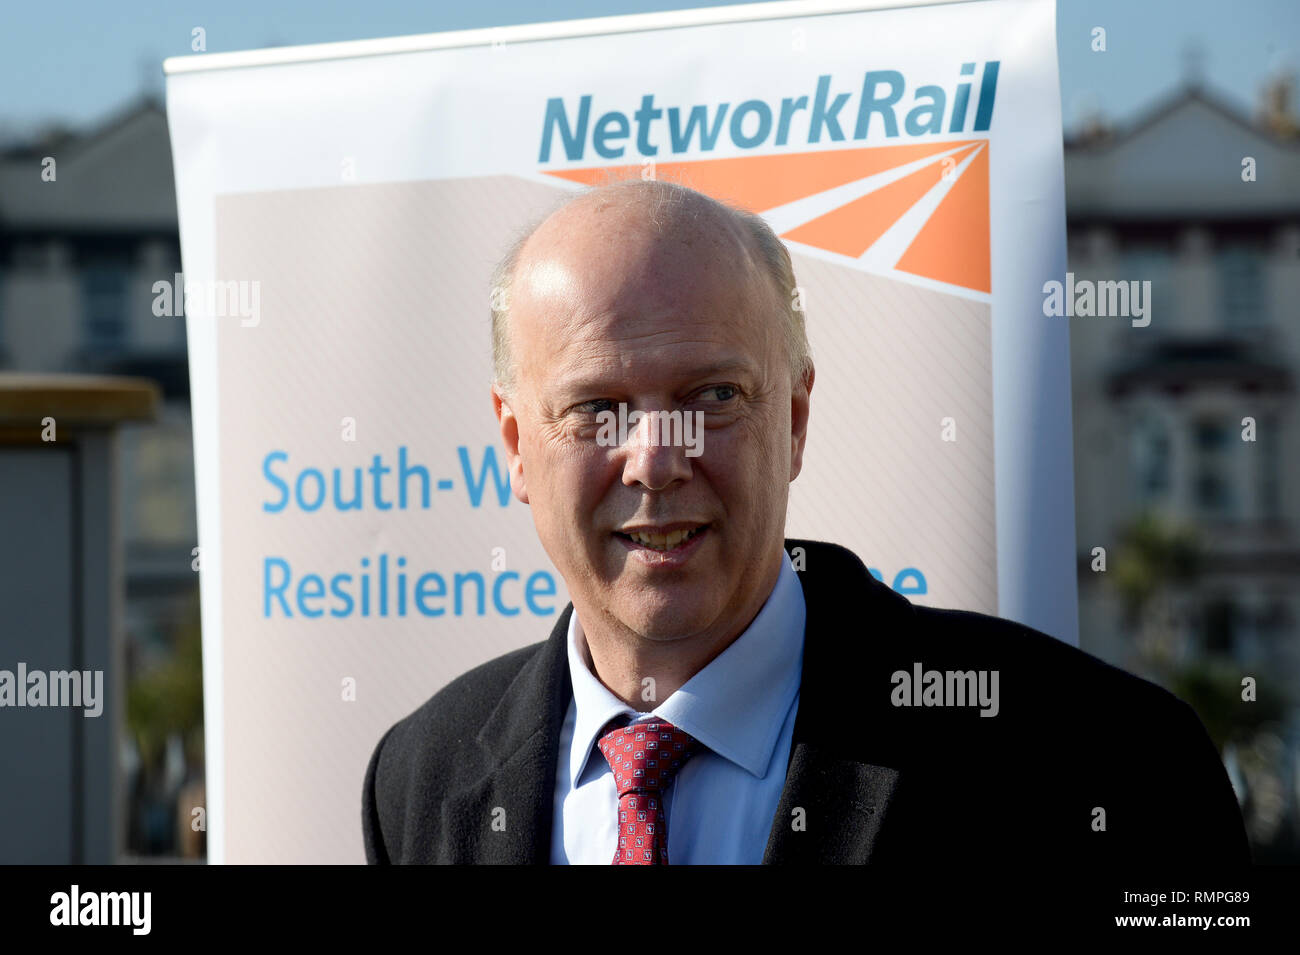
[(559, 29)]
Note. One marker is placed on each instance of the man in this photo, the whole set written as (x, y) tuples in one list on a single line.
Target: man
[(716, 693)]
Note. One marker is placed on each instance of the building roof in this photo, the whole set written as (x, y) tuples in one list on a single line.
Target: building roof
[(1190, 144), (117, 178)]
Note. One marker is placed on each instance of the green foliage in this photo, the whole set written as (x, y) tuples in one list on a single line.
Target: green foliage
[(1154, 555), (1157, 558), (169, 698), (1213, 690)]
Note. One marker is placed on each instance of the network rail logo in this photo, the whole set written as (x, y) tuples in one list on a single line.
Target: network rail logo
[(915, 208)]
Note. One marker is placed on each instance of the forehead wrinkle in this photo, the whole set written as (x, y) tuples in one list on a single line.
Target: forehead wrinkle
[(604, 337), (615, 373), (602, 347)]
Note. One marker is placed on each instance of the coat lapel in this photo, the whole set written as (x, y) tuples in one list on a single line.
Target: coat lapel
[(840, 784), (831, 809), (506, 817)]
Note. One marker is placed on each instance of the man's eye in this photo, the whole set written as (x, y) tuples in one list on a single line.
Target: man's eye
[(719, 392), (595, 406)]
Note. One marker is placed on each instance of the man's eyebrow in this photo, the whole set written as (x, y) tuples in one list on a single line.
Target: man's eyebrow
[(589, 383)]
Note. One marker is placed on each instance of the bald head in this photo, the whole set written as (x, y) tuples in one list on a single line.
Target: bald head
[(636, 234)]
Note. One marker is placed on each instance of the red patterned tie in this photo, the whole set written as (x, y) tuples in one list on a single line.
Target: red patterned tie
[(645, 757)]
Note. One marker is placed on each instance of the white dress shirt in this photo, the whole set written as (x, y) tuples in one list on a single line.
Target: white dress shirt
[(741, 706)]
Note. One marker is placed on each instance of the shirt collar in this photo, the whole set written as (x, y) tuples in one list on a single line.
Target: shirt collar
[(736, 705)]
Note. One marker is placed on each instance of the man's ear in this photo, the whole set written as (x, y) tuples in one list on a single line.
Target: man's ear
[(510, 438), (800, 403)]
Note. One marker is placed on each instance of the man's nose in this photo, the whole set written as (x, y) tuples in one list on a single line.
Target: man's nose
[(651, 459)]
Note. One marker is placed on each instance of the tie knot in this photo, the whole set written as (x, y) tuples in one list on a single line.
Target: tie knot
[(646, 756)]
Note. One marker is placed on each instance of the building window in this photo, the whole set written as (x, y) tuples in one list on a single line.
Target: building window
[(1152, 260), (1151, 451), (104, 304), (1241, 279), (1220, 627), (1213, 475), (1268, 448)]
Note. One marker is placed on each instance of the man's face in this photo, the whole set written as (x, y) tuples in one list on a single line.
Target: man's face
[(606, 311)]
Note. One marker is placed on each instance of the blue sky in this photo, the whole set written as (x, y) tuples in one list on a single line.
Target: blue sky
[(93, 57)]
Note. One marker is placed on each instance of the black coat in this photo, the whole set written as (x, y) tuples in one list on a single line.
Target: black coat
[(469, 777)]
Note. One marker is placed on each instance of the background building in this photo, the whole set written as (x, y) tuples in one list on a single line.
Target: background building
[(1199, 527)]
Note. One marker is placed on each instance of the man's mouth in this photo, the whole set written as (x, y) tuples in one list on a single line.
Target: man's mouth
[(665, 540)]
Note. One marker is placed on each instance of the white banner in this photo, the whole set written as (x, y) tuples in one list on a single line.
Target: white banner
[(341, 210)]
